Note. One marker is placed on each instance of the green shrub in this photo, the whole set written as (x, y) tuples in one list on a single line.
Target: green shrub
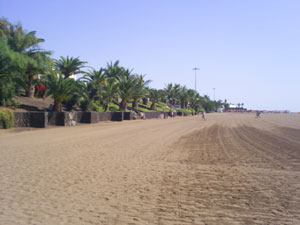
[(7, 118), (160, 106), (113, 108), (71, 102), (185, 111), (97, 107), (84, 105)]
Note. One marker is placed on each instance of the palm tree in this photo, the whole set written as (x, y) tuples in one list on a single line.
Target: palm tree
[(110, 91), (69, 66), (59, 88), (95, 80), (140, 90), (155, 96), (127, 85), (113, 69), (35, 60), (146, 96), (192, 94), (173, 92), (11, 63), (207, 103), (40, 63), (168, 90), (184, 97), (226, 105), (196, 102)]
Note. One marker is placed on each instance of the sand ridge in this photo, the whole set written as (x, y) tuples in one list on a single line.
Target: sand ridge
[(230, 169)]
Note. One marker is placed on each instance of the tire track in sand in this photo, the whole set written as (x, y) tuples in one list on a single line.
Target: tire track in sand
[(232, 175)]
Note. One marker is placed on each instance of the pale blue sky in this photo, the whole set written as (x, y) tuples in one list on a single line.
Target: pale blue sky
[(248, 50)]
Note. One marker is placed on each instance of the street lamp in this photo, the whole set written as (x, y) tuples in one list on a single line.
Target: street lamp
[(196, 77)]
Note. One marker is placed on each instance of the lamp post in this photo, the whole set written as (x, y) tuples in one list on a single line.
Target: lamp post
[(196, 77)]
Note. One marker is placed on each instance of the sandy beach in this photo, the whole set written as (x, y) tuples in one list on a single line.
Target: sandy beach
[(230, 169)]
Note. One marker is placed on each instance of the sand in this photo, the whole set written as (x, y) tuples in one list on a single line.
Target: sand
[(230, 169)]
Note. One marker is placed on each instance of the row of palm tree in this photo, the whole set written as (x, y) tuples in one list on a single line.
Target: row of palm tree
[(189, 98), (23, 65), (104, 85)]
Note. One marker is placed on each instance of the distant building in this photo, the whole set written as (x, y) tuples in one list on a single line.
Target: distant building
[(233, 106), (220, 109), (40, 75), (73, 76)]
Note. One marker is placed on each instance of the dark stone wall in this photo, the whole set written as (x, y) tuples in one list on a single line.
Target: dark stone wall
[(95, 117), (105, 116), (117, 116), (77, 116), (128, 116), (31, 119), (39, 119), (22, 119), (166, 114), (170, 114), (153, 115), (180, 114), (84, 117), (58, 118), (183, 114), (43, 119)]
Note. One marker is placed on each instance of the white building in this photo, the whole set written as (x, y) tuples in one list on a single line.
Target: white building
[(233, 106)]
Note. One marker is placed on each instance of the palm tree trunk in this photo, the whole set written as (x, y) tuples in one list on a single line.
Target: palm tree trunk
[(44, 94), (145, 101), (123, 105), (153, 106), (135, 103), (58, 106), (182, 104), (31, 89), (106, 107), (3, 102)]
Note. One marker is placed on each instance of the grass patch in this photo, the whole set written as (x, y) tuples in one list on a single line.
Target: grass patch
[(111, 108), (160, 106), (185, 111)]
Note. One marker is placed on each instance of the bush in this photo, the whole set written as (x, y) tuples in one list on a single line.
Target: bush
[(71, 102), (185, 111), (113, 108), (97, 107), (7, 92), (84, 105), (7, 118)]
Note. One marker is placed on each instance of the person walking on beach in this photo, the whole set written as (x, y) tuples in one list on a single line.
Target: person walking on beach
[(203, 115)]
